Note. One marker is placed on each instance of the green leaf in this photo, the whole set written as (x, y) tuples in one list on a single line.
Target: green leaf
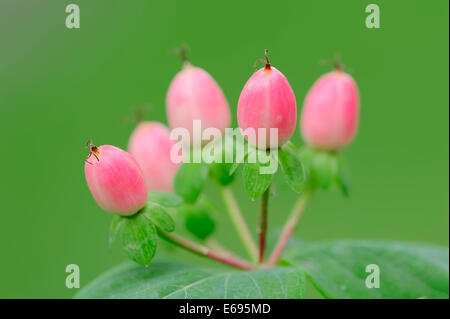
[(292, 166), (165, 199), (236, 149), (190, 180), (158, 215), (239, 159), (221, 172), (198, 218), (338, 269), (114, 228), (342, 179), (220, 169), (233, 168), (256, 183), (324, 169), (139, 238), (168, 280)]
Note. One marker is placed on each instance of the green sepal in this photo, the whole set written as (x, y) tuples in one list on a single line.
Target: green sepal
[(165, 199), (114, 228), (255, 182), (292, 166), (221, 173), (198, 217), (138, 237), (232, 155), (158, 215), (190, 180), (324, 169), (342, 179)]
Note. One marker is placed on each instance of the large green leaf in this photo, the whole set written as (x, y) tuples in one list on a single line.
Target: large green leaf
[(338, 269), (179, 281)]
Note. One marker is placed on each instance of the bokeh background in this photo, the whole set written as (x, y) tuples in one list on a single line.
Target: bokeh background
[(60, 87)]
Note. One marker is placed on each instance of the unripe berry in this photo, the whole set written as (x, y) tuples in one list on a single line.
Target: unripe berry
[(150, 145), (267, 101), (329, 119), (194, 95), (115, 180)]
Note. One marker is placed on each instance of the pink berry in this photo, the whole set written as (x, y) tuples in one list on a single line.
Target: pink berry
[(267, 101), (194, 95), (150, 145), (329, 119), (115, 180)]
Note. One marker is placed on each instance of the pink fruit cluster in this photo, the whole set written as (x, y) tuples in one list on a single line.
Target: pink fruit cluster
[(119, 181), (329, 117)]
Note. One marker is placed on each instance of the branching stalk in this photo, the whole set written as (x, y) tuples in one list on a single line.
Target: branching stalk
[(212, 244), (289, 227), (263, 223), (201, 250), (239, 222)]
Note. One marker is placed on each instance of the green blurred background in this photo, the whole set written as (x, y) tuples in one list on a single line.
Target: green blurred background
[(60, 87)]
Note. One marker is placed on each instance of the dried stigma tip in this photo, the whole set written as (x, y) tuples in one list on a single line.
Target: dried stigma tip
[(335, 62), (266, 51), (266, 61), (182, 52)]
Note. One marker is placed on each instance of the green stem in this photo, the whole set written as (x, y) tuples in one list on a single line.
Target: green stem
[(239, 222), (289, 227), (263, 223), (201, 250)]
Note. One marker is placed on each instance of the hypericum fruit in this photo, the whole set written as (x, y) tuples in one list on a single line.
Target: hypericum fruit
[(115, 180), (329, 119), (194, 95), (150, 145), (267, 101)]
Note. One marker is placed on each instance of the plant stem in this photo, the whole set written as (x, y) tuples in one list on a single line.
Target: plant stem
[(239, 222), (212, 244), (205, 251), (263, 223), (289, 227)]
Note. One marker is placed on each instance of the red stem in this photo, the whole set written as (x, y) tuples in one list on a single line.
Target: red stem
[(198, 249), (263, 223)]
